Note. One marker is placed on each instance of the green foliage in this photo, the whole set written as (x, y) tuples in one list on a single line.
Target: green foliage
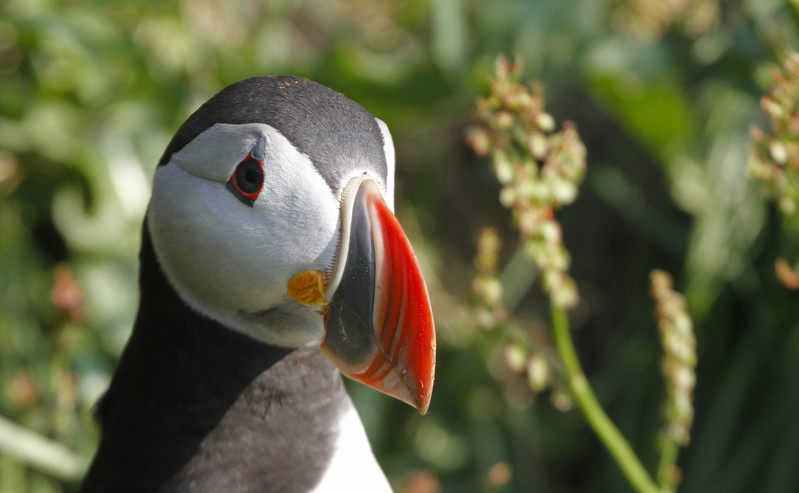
[(663, 95)]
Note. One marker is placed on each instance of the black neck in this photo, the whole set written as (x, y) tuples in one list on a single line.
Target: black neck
[(195, 406)]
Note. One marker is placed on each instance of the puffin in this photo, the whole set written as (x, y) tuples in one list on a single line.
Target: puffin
[(271, 263)]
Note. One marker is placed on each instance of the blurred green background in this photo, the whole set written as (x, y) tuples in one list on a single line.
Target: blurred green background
[(662, 93)]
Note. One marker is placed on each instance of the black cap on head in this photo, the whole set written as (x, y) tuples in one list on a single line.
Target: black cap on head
[(336, 133)]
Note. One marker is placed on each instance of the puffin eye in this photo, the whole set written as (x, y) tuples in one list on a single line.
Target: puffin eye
[(247, 180)]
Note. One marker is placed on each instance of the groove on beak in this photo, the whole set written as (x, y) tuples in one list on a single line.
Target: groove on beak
[(379, 321)]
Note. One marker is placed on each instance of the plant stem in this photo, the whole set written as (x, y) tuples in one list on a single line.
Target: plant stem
[(604, 428), (669, 450), (39, 452)]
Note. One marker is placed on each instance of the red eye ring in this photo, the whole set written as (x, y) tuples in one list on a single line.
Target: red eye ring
[(247, 180)]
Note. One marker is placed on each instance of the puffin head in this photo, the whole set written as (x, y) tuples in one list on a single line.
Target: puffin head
[(271, 213)]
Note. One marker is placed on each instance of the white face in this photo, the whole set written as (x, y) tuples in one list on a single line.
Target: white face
[(232, 261)]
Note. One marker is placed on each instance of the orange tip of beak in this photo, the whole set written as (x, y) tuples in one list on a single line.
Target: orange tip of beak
[(380, 328)]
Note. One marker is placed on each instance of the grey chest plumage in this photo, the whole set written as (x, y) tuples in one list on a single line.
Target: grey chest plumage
[(196, 407)]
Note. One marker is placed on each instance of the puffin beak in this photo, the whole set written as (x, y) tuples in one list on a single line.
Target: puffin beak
[(379, 321)]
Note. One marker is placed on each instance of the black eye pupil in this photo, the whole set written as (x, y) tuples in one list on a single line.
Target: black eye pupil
[(249, 176)]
